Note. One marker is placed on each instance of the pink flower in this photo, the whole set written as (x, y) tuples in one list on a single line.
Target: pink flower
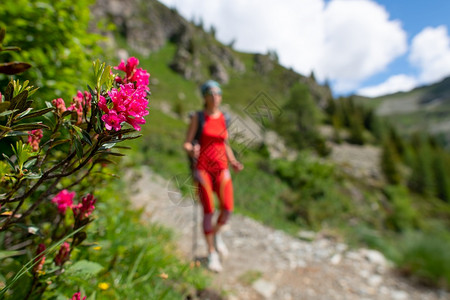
[(1, 98), (64, 200), (63, 254), (60, 105), (138, 76), (85, 208), (77, 296), (81, 102), (34, 137), (113, 120), (40, 258)]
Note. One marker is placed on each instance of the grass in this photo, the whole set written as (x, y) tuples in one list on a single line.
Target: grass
[(138, 260)]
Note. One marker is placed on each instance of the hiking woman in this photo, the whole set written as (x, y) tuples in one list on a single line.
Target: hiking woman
[(211, 157)]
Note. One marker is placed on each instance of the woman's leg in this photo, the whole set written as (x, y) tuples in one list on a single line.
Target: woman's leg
[(224, 190), (205, 191)]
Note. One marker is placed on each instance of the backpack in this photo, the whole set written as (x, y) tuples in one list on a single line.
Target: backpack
[(198, 133)]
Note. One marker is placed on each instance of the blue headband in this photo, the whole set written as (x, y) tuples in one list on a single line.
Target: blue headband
[(209, 85)]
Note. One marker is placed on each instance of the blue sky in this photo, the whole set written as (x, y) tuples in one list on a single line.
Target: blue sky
[(368, 47)]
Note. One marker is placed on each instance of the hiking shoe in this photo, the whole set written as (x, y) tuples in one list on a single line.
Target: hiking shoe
[(214, 262), (220, 245)]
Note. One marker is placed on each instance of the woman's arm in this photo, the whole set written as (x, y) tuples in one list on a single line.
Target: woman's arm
[(237, 166), (192, 150)]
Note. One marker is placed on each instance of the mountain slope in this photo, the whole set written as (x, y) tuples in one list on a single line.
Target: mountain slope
[(424, 108)]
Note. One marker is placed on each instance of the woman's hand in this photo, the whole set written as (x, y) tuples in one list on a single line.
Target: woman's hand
[(192, 150), (237, 166)]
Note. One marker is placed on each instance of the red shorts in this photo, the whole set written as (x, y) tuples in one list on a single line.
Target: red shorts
[(220, 183)]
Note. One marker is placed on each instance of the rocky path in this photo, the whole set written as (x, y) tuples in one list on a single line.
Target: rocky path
[(268, 264)]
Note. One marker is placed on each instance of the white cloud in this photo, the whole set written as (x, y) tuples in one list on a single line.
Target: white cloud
[(360, 41), (430, 52), (345, 41), (396, 83)]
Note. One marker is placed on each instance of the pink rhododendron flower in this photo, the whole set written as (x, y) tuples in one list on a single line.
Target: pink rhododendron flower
[(40, 258), (77, 296), (1, 99), (60, 105), (113, 120), (34, 137), (85, 208), (133, 75), (63, 254), (81, 102), (129, 105), (64, 200)]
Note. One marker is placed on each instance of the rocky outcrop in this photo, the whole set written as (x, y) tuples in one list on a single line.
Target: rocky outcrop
[(147, 25)]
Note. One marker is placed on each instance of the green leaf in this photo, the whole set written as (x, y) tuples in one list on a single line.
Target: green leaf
[(111, 153), (4, 106), (32, 176), (29, 126), (107, 146), (11, 164), (7, 112), (78, 147), (9, 91), (15, 67), (23, 114), (86, 137), (4, 128), (68, 113), (91, 91), (29, 163), (19, 100), (17, 133), (104, 161), (59, 142), (83, 269), (36, 113), (6, 254), (106, 74)]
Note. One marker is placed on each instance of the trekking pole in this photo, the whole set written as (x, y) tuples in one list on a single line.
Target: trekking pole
[(194, 235)]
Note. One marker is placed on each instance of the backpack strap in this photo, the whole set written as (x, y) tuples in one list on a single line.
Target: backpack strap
[(227, 119), (201, 123)]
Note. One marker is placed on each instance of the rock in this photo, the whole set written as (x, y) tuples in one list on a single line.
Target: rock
[(307, 235), (265, 288), (375, 280), (399, 295), (374, 257), (336, 259)]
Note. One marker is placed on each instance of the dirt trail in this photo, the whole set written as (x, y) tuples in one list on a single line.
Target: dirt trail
[(282, 267)]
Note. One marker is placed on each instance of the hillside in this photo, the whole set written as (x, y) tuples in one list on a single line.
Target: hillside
[(344, 193), (424, 108)]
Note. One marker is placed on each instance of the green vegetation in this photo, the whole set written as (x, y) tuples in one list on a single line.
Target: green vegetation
[(406, 218)]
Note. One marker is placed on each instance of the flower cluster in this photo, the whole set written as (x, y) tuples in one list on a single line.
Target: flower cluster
[(63, 200), (133, 75), (128, 102), (34, 137), (85, 208), (77, 296), (82, 210), (81, 101), (40, 258), (63, 254), (60, 105)]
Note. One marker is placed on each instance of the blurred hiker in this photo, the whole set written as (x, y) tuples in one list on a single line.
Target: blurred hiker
[(207, 145)]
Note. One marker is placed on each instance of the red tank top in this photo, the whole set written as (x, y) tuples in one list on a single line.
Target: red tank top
[(213, 155)]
